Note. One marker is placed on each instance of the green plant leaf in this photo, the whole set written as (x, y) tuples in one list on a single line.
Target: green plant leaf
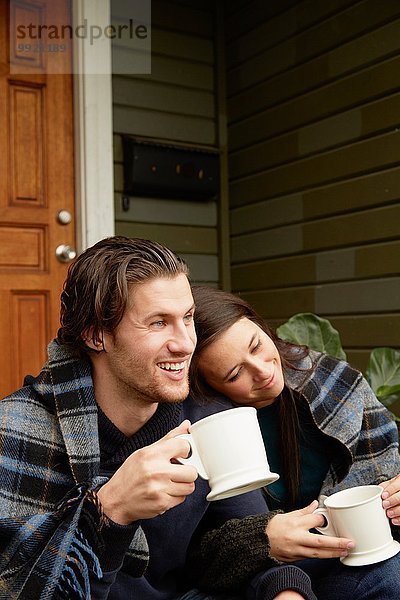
[(312, 331), (383, 374), (390, 397), (388, 390)]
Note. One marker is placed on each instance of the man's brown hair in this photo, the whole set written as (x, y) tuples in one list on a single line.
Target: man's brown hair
[(96, 291)]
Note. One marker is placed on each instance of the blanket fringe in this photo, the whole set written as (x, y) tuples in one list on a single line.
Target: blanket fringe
[(81, 561)]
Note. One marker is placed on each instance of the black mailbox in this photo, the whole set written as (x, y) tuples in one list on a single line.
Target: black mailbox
[(168, 171)]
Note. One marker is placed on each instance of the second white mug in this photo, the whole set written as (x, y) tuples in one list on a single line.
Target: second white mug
[(357, 513)]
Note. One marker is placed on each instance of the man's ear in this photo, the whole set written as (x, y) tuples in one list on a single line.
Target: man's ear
[(87, 337)]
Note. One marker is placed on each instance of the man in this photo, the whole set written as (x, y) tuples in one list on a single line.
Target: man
[(92, 500)]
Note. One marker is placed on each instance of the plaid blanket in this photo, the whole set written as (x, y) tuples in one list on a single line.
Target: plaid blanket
[(49, 467), (345, 408)]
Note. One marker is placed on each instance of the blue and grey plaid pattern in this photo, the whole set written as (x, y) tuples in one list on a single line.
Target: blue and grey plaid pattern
[(49, 467), (345, 408)]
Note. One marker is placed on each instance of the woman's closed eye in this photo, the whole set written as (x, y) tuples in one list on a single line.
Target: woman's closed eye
[(234, 377), (252, 351), (257, 346)]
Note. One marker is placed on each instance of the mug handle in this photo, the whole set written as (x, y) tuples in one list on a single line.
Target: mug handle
[(328, 528), (194, 457)]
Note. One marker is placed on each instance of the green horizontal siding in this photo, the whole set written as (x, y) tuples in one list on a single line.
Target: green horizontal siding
[(313, 121)]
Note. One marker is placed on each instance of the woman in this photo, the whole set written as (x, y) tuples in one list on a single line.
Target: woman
[(323, 428)]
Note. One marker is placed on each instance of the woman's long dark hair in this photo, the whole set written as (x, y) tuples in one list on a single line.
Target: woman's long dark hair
[(216, 312)]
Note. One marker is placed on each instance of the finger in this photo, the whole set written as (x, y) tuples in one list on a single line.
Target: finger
[(328, 542), (175, 501), (391, 485), (181, 490), (183, 473), (391, 493), (312, 552), (307, 510), (313, 520), (326, 553), (392, 501), (174, 447), (394, 514), (182, 428), (384, 484)]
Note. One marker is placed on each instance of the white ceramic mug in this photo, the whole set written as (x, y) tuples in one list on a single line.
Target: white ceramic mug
[(357, 514), (227, 449)]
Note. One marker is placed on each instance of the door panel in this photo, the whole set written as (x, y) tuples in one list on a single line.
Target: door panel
[(36, 182)]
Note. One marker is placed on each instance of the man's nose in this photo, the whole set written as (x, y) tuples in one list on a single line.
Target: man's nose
[(183, 339)]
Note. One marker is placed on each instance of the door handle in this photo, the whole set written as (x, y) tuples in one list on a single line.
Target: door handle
[(65, 253), (64, 217)]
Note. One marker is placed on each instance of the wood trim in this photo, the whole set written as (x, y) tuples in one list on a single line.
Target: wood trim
[(93, 132)]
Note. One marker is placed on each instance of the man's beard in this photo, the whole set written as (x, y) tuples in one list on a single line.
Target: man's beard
[(153, 394)]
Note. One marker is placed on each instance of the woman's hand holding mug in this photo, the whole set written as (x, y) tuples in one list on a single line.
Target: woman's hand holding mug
[(358, 513), (290, 538)]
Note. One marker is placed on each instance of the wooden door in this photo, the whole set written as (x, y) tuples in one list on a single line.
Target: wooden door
[(36, 183)]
